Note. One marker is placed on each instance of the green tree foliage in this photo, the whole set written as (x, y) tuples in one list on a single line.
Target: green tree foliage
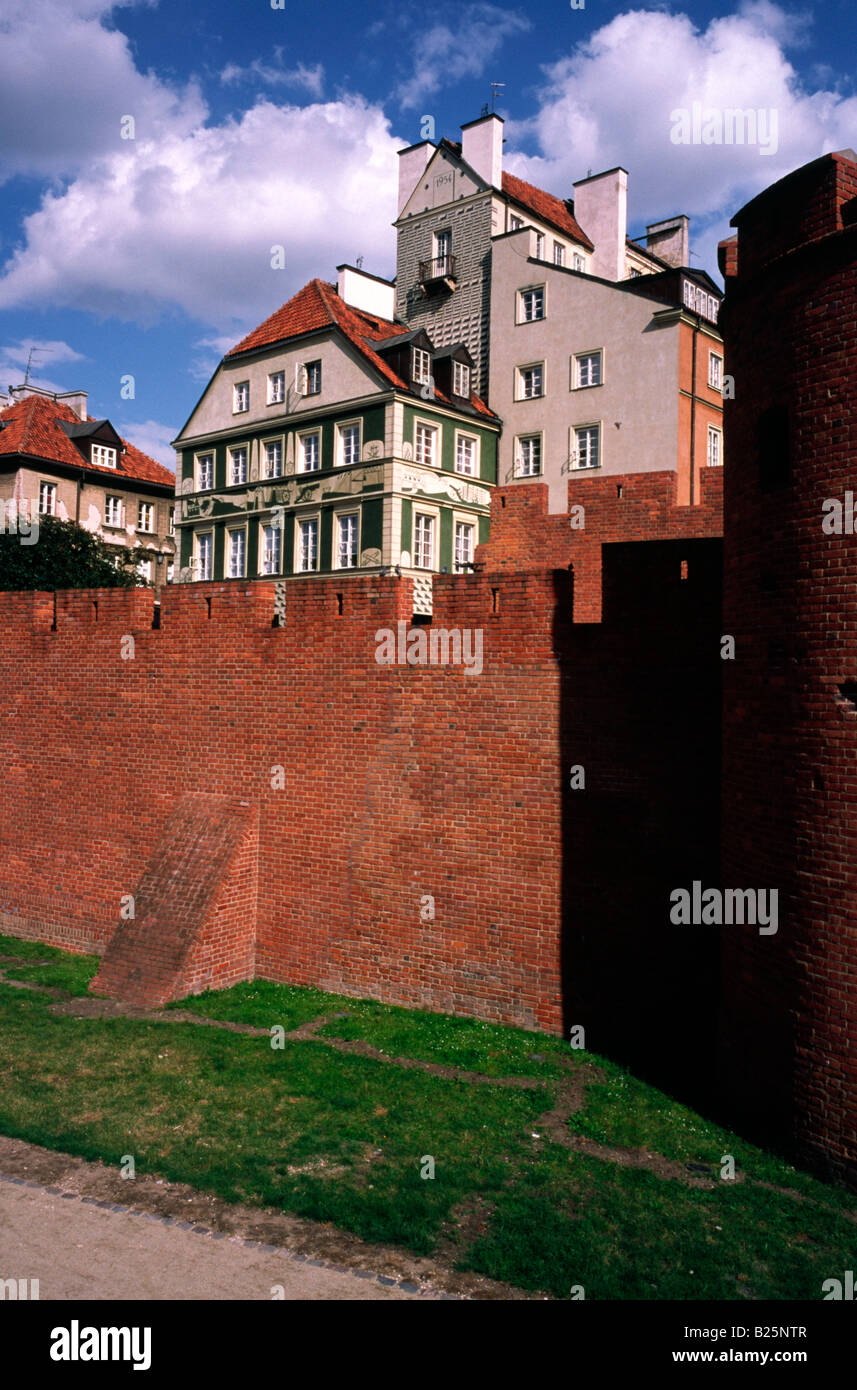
[(62, 556)]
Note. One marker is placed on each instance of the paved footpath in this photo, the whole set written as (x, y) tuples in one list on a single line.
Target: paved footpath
[(78, 1249)]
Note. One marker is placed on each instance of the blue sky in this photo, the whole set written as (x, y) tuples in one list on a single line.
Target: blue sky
[(257, 126)]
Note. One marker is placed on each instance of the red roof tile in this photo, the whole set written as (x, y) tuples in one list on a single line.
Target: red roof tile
[(33, 426), (545, 206), (318, 306)]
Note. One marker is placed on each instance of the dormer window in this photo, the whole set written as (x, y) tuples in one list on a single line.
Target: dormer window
[(461, 380), (104, 456), (421, 366)]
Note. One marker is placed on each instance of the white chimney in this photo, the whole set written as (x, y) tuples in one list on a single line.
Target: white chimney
[(482, 148), (75, 400), (670, 240), (601, 209), (367, 292), (412, 163)]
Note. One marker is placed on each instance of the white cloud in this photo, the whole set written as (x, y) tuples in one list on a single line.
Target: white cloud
[(275, 75), (66, 81), (445, 54), (212, 349), (15, 358), (152, 437), (610, 102), (189, 219)]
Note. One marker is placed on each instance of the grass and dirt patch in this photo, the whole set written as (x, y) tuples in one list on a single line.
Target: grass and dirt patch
[(552, 1167)]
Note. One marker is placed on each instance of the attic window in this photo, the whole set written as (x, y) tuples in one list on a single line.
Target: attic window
[(461, 380), (103, 456), (421, 365)]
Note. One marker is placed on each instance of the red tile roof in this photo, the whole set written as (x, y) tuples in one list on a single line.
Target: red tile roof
[(545, 206), (33, 426), (318, 306)]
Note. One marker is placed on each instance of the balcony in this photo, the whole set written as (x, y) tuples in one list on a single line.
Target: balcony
[(437, 274)]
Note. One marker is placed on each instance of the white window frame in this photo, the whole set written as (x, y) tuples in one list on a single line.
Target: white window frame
[(339, 455), (144, 569), (574, 446), (715, 372), (142, 513), (241, 393), (423, 424), (231, 532), (461, 375), (234, 449), (302, 376), (302, 521), (433, 513), (197, 537), (104, 455), (270, 525), (540, 245), (518, 457), (578, 261), (576, 361), (713, 307), (339, 515), (558, 253), (277, 376), (47, 488), (300, 466), (521, 304), (515, 222), (421, 365), (439, 238), (278, 439), (714, 433), (197, 469), (119, 511), (689, 295), (519, 381), (477, 458), (464, 519)]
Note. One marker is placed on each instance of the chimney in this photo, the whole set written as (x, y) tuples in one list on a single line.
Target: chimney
[(670, 240), (482, 148), (75, 400), (601, 209), (367, 292), (412, 162)]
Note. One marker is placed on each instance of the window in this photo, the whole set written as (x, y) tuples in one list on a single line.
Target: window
[(308, 545), (558, 253), (715, 370), (587, 439), (205, 472), (145, 516), (515, 223), (540, 246), (309, 378), (274, 458), (421, 368), (112, 510), (425, 442), (715, 458), (466, 447), (461, 379), (578, 262), (349, 443), (47, 499), (240, 397), (144, 570), (464, 532), (276, 387), (103, 456), (634, 273), (171, 570), (204, 554), (309, 452), (701, 301), (532, 305), (238, 466), (689, 294), (237, 552), (172, 521), (423, 541), (713, 306), (443, 251), (346, 541), (587, 369), (531, 382), (272, 549), (528, 460)]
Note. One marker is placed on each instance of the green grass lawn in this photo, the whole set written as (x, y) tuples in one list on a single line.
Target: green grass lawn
[(340, 1137)]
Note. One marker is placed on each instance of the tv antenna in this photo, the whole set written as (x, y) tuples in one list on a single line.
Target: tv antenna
[(29, 363), (494, 89)]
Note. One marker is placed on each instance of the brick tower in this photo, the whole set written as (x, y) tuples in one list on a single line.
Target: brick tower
[(788, 1046)]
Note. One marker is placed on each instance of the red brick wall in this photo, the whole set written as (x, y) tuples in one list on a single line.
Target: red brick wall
[(789, 1031)]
